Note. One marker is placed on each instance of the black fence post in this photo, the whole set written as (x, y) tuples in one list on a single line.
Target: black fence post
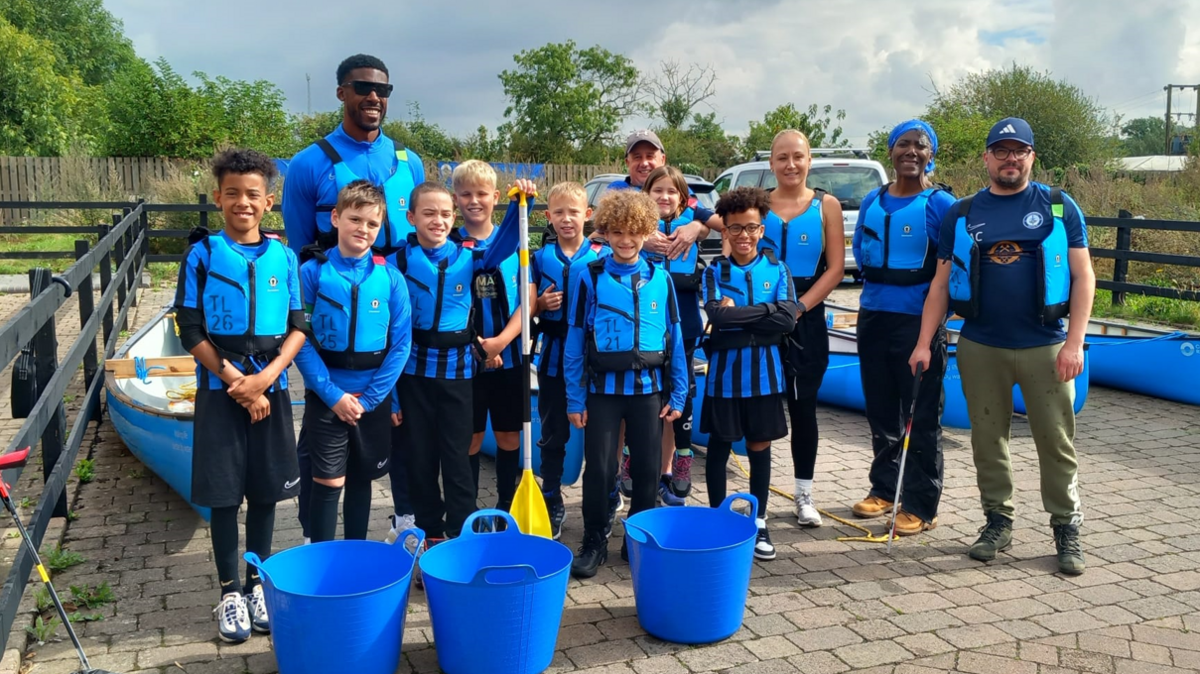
[(86, 309), (144, 222), (118, 256), (202, 199), (106, 321), (45, 355), (1121, 267), (131, 277)]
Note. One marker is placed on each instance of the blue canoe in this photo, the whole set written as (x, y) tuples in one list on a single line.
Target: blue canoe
[(153, 423), (1140, 359), (572, 466)]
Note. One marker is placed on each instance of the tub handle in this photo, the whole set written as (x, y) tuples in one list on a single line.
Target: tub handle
[(526, 573), (748, 498), (253, 559), (490, 513), (641, 536), (416, 534)]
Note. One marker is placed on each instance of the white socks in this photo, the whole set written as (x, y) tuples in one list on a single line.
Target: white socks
[(803, 487)]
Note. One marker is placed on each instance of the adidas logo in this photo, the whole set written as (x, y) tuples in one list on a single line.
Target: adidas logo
[(1008, 128)]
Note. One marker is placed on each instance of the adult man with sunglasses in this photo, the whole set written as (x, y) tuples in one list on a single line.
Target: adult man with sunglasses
[(356, 149), (1013, 262)]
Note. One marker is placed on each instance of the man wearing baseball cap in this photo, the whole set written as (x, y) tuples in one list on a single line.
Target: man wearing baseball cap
[(1013, 262)]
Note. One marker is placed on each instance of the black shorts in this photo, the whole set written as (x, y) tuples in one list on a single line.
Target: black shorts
[(235, 460), (758, 419), (501, 394), (337, 449), (807, 354)]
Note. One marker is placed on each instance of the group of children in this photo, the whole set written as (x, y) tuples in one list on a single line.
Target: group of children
[(398, 347)]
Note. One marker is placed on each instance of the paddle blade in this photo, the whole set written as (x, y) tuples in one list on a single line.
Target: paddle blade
[(529, 507)]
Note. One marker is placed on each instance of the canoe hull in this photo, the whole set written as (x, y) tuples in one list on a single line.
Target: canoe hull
[(158, 436), (1138, 365), (572, 465)]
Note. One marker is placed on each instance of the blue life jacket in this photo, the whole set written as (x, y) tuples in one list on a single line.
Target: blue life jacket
[(396, 189), (631, 330), (440, 295), (688, 269), (1054, 270), (499, 285), (351, 322), (896, 250), (799, 243), (563, 273), (756, 285), (246, 303)]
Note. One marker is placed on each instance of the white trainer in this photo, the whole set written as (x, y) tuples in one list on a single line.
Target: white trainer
[(806, 512)]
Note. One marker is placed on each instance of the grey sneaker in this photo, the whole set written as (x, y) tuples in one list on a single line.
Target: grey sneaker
[(1070, 555), (994, 537)]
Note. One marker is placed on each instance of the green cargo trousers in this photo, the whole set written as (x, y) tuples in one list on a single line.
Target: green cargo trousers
[(988, 375)]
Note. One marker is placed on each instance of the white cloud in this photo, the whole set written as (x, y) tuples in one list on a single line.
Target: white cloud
[(873, 58)]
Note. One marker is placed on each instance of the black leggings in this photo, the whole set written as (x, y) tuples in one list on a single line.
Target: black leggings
[(356, 510), (760, 473), (260, 529), (804, 436), (643, 435)]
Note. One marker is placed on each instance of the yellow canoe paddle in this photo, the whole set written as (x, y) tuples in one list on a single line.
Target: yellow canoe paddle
[(529, 506)]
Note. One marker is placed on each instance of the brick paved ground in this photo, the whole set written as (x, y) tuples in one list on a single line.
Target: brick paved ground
[(822, 607)]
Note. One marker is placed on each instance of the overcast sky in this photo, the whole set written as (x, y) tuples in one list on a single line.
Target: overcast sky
[(874, 58)]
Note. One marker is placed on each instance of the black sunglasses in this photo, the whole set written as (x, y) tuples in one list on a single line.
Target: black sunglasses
[(381, 89)]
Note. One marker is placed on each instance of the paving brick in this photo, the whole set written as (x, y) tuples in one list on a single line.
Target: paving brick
[(1152, 653), (719, 656), (973, 636), (824, 638), (924, 644), (872, 653), (821, 662), (980, 663)]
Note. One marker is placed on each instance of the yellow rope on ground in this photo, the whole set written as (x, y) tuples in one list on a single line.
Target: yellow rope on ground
[(869, 538)]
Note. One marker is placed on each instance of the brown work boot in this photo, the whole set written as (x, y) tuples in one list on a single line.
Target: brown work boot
[(908, 524), (872, 506)]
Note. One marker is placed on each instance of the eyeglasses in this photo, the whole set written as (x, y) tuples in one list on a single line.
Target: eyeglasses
[(1005, 153), (737, 230), (381, 89)]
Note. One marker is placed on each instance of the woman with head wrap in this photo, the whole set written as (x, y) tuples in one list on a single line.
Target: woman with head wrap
[(895, 246)]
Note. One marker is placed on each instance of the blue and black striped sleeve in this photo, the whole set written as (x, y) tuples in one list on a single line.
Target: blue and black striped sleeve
[(189, 310)]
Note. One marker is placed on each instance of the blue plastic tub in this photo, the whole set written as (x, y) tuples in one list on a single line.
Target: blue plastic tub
[(715, 545), (495, 599), (338, 603)]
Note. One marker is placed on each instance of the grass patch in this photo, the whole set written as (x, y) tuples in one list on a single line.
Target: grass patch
[(86, 596), (61, 559), (43, 630), (85, 470)]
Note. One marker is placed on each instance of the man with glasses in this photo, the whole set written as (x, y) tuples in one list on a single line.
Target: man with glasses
[(1013, 262), (356, 149)]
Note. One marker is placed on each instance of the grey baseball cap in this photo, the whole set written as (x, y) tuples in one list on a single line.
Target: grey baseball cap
[(643, 136)]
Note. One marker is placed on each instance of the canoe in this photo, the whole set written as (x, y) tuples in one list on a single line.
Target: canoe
[(1138, 359), (153, 423), (572, 465), (842, 385)]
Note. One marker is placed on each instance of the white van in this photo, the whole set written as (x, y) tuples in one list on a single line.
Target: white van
[(848, 178)]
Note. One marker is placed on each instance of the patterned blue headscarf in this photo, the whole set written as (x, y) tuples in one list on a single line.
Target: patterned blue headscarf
[(919, 125)]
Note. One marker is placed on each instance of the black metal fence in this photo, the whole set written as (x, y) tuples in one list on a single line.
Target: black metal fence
[(126, 244), (1122, 254)]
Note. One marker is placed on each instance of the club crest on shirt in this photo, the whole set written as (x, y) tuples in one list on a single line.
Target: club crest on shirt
[(1032, 220), (273, 282), (1005, 252), (375, 303)]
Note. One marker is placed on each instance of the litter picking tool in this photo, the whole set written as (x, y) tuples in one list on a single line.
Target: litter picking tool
[(17, 460), (912, 412), (528, 506)]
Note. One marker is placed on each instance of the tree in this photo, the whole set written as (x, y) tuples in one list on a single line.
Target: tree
[(1143, 136), (87, 39), (38, 108), (426, 139), (1069, 127), (816, 123), (251, 113), (676, 92), (562, 98)]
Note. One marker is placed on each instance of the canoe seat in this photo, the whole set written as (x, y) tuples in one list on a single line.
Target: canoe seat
[(168, 366)]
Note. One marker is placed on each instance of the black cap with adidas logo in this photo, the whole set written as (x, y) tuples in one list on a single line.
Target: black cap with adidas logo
[(1011, 128)]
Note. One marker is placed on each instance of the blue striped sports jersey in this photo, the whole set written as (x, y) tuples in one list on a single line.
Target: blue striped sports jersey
[(581, 340), (550, 266), (440, 288), (744, 342), (496, 294)]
